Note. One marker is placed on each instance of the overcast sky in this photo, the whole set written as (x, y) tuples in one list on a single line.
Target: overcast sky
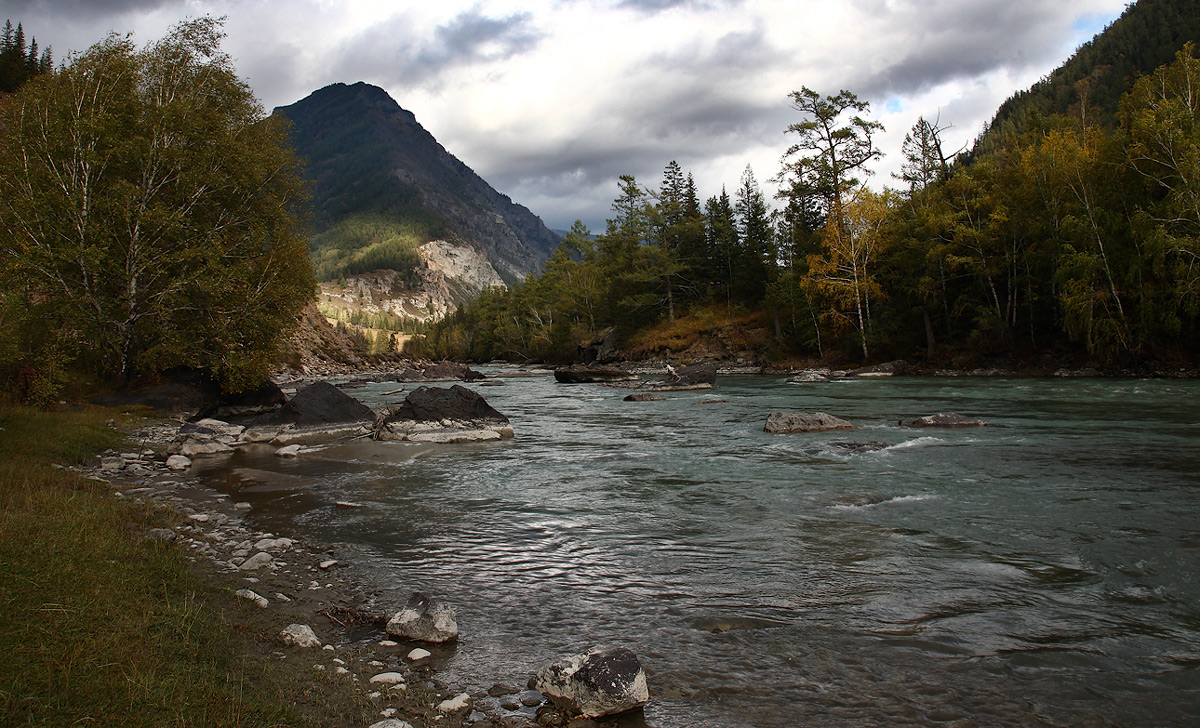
[(551, 100)]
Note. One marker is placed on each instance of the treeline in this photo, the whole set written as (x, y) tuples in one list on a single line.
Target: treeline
[(1073, 238), (150, 219), (20, 62)]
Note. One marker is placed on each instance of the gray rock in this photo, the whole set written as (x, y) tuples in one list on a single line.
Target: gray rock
[(161, 534), (179, 462), (299, 635), (804, 422), (191, 447), (455, 704), (251, 596), (391, 723), (424, 619), (444, 415), (810, 376), (943, 420), (591, 374), (887, 369), (288, 451), (601, 681), (257, 561)]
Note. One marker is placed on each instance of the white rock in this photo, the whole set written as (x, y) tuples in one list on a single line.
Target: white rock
[(419, 654), (455, 704), (389, 712), (341, 670), (257, 561), (290, 451), (179, 462), (267, 544), (200, 517), (250, 596), (387, 643), (388, 678), (192, 448), (391, 723), (328, 564), (300, 635), (424, 619), (242, 506)]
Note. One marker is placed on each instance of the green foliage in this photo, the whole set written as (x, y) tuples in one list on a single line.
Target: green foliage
[(1072, 239), (365, 242), (18, 62), (150, 211)]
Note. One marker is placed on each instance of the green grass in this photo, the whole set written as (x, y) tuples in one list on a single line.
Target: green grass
[(99, 625)]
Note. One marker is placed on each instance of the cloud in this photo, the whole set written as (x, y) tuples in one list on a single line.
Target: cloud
[(75, 8), (398, 52)]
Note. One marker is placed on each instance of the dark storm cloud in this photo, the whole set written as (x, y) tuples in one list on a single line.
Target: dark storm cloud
[(934, 42), (388, 53), (75, 8)]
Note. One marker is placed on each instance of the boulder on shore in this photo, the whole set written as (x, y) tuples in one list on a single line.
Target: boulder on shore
[(424, 619), (804, 422), (601, 681), (591, 374), (320, 403), (943, 420), (444, 415)]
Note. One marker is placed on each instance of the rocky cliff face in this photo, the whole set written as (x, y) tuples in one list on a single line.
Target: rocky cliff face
[(452, 273), (365, 153)]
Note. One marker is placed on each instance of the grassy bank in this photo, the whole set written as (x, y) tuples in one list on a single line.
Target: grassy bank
[(101, 626)]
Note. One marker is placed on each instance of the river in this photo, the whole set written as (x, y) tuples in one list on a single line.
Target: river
[(1041, 571)]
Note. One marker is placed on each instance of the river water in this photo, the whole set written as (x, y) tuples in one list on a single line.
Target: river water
[(1041, 571)]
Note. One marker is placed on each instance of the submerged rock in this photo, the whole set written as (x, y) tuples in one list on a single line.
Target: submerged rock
[(943, 420), (591, 374), (804, 422), (601, 681), (643, 397), (441, 415), (887, 369), (424, 619)]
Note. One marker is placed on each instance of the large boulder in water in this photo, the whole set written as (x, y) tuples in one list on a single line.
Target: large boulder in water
[(601, 681), (804, 422), (591, 374), (444, 415), (320, 403), (424, 619), (943, 420), (887, 369), (447, 371)]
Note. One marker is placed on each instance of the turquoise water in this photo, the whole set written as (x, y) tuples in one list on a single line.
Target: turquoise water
[(1043, 570)]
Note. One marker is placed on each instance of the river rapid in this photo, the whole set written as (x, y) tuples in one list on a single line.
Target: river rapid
[(1041, 571)]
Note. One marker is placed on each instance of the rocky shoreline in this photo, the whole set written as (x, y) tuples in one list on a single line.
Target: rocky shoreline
[(310, 610)]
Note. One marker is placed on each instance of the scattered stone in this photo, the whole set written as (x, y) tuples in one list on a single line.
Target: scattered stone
[(943, 420), (111, 463), (391, 723), (288, 451), (500, 690), (810, 376), (266, 544), (804, 422), (387, 643), (389, 712), (329, 564), (424, 619), (179, 462), (242, 506), (299, 635), (200, 517), (418, 654), (388, 678), (161, 534), (257, 561), (601, 681), (250, 596), (455, 704)]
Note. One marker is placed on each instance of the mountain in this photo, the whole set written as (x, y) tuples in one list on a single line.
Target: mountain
[(1146, 35), (383, 186)]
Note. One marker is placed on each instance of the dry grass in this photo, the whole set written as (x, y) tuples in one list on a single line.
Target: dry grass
[(100, 626)]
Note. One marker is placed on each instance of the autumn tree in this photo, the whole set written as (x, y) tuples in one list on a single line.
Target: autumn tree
[(148, 214)]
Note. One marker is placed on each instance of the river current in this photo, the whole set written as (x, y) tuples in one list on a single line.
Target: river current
[(1041, 571)]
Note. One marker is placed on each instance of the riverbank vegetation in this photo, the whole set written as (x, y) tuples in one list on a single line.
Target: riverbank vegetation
[(101, 625), (149, 219), (1075, 233)]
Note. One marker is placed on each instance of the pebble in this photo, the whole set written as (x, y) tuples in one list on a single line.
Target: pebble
[(387, 643), (250, 596), (257, 561), (242, 506), (388, 678), (329, 564), (418, 654), (200, 517), (391, 723), (455, 704)]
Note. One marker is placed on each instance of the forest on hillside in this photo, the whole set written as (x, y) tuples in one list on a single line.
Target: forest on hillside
[(1065, 236)]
